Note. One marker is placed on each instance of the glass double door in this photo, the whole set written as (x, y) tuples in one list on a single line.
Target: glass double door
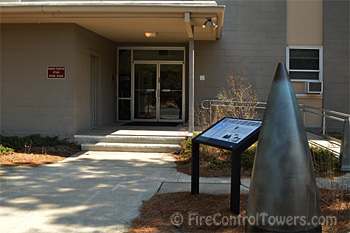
[(158, 91)]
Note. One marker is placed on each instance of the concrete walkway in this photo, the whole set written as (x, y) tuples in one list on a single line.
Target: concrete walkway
[(96, 191), (92, 192)]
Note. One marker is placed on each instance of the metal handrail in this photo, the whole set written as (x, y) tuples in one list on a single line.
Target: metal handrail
[(324, 113), (334, 115), (228, 101), (330, 111)]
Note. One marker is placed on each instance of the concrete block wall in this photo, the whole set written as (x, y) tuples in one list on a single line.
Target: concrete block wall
[(30, 102), (336, 57), (88, 43), (253, 43)]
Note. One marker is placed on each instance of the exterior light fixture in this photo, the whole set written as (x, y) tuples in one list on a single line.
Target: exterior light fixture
[(210, 23), (150, 34)]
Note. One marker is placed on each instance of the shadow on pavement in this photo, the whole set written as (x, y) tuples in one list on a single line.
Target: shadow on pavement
[(87, 193)]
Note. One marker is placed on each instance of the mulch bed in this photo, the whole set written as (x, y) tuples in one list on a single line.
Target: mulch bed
[(206, 169), (36, 156), (185, 167), (158, 213)]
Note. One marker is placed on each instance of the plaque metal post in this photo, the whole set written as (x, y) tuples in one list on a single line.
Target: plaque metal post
[(195, 168), (235, 181)]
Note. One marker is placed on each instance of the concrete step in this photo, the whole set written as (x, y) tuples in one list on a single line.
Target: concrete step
[(130, 147), (80, 139)]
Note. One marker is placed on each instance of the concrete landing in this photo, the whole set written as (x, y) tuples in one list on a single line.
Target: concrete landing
[(131, 147), (330, 144), (122, 129)]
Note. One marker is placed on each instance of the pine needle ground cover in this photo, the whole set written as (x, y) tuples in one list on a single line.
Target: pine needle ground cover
[(34, 150), (183, 212)]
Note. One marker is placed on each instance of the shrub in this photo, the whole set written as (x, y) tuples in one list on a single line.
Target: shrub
[(5, 150), (19, 143), (245, 98), (244, 107), (247, 157), (324, 161), (186, 149)]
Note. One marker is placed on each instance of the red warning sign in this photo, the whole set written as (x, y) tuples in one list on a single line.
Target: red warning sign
[(56, 72)]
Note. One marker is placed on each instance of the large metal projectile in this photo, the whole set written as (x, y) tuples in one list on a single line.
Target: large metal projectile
[(283, 194)]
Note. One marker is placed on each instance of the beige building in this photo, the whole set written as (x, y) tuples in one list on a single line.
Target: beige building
[(67, 66)]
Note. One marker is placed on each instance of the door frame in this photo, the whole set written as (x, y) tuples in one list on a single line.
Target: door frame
[(94, 114), (158, 63), (131, 98)]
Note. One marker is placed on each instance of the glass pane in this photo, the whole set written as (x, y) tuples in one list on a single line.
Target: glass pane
[(171, 105), (303, 75), (124, 86), (312, 53), (145, 91), (304, 59), (124, 68), (171, 77), (160, 55), (171, 92), (124, 110)]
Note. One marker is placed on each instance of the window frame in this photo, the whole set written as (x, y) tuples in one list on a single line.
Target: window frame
[(320, 70)]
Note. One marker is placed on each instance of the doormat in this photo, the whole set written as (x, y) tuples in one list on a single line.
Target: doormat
[(164, 124)]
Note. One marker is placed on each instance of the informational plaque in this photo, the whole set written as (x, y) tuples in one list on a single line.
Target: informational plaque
[(232, 134), (229, 132)]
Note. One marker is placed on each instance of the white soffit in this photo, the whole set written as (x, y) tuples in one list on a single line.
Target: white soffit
[(125, 21)]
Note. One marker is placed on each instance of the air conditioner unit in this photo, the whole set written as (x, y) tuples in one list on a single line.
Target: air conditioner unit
[(314, 87)]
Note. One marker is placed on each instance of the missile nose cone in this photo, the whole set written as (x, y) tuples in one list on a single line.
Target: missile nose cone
[(283, 182), (281, 72)]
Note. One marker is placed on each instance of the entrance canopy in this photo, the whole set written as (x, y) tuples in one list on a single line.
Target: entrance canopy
[(126, 21)]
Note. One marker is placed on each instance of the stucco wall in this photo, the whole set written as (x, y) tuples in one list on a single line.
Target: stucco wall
[(253, 43), (30, 102), (336, 57), (304, 22), (88, 43)]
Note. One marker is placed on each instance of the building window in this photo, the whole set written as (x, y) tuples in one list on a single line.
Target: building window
[(305, 63)]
